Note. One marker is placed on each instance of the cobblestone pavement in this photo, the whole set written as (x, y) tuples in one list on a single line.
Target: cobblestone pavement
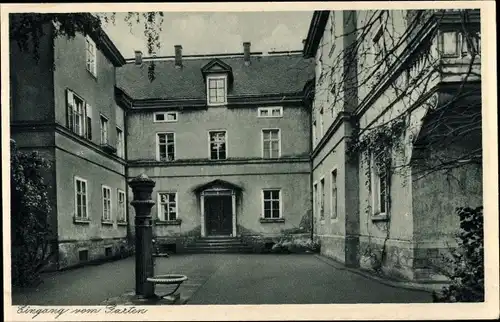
[(223, 279)]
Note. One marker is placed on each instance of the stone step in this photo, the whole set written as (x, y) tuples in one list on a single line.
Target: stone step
[(218, 250), (216, 243)]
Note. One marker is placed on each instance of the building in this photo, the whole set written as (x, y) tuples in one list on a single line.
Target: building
[(395, 92), (64, 107), (225, 137)]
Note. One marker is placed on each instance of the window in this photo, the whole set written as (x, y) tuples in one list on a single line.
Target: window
[(322, 199), (315, 136), (88, 133), (119, 143), (449, 43), (104, 130), (271, 202), (106, 204), (271, 145), (321, 123), (469, 43), (122, 215), (108, 251), (165, 117), (217, 145), (165, 146), (167, 206), (333, 195), (91, 56), (216, 90), (380, 182), (272, 111), (315, 199), (81, 203), (79, 115), (378, 39), (83, 255)]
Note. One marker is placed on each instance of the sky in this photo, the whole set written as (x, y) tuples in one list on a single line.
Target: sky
[(216, 32)]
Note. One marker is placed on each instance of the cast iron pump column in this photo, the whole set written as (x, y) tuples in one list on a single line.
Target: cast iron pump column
[(142, 187)]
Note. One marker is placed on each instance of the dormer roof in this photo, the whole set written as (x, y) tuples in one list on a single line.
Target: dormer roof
[(217, 66)]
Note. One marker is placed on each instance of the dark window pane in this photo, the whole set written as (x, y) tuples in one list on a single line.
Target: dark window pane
[(276, 213), (275, 205), (267, 213), (160, 117)]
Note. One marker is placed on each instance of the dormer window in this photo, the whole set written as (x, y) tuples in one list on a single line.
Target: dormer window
[(218, 78), (216, 90)]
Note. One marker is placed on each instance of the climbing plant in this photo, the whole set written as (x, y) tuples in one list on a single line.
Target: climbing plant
[(376, 147), (29, 219), (27, 29)]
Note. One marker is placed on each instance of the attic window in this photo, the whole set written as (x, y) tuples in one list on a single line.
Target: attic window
[(216, 90), (165, 117), (272, 111)]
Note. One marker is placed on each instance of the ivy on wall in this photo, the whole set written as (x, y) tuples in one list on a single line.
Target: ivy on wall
[(376, 148)]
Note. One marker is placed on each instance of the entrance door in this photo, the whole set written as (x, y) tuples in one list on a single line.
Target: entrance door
[(218, 214)]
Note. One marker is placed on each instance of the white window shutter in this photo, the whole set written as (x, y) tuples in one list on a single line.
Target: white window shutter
[(70, 109)]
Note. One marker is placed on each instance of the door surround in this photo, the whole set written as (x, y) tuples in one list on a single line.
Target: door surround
[(217, 192)]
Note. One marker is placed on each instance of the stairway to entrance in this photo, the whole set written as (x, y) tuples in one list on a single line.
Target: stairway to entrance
[(215, 244)]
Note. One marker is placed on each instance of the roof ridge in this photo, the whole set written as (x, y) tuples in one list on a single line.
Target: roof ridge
[(225, 55)]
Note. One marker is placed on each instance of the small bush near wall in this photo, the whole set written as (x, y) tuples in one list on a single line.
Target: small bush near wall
[(467, 262), (30, 209), (295, 244)]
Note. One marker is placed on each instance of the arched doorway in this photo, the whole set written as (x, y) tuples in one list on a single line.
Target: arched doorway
[(218, 208)]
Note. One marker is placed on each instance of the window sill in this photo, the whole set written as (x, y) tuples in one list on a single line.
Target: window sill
[(271, 220), (81, 221), (122, 223), (109, 223), (380, 217), (168, 222)]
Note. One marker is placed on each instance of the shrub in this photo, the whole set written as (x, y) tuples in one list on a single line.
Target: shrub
[(30, 210), (467, 262)]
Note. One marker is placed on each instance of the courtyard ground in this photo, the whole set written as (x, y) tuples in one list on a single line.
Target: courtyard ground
[(224, 279)]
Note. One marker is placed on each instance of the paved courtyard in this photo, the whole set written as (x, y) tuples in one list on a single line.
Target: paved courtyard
[(224, 279)]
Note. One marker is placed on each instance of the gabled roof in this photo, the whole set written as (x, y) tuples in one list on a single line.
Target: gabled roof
[(217, 66), (273, 74)]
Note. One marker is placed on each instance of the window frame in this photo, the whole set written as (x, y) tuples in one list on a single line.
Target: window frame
[(280, 196), (88, 41), (458, 46), (262, 143), (376, 202), (160, 214), (101, 118), (110, 219), (120, 144), (121, 192), (269, 109), (75, 194), (215, 78), (321, 198), (166, 144), (165, 114), (226, 138)]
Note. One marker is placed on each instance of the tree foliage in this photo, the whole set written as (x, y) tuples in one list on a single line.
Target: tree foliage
[(30, 209), (27, 29), (467, 274)]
